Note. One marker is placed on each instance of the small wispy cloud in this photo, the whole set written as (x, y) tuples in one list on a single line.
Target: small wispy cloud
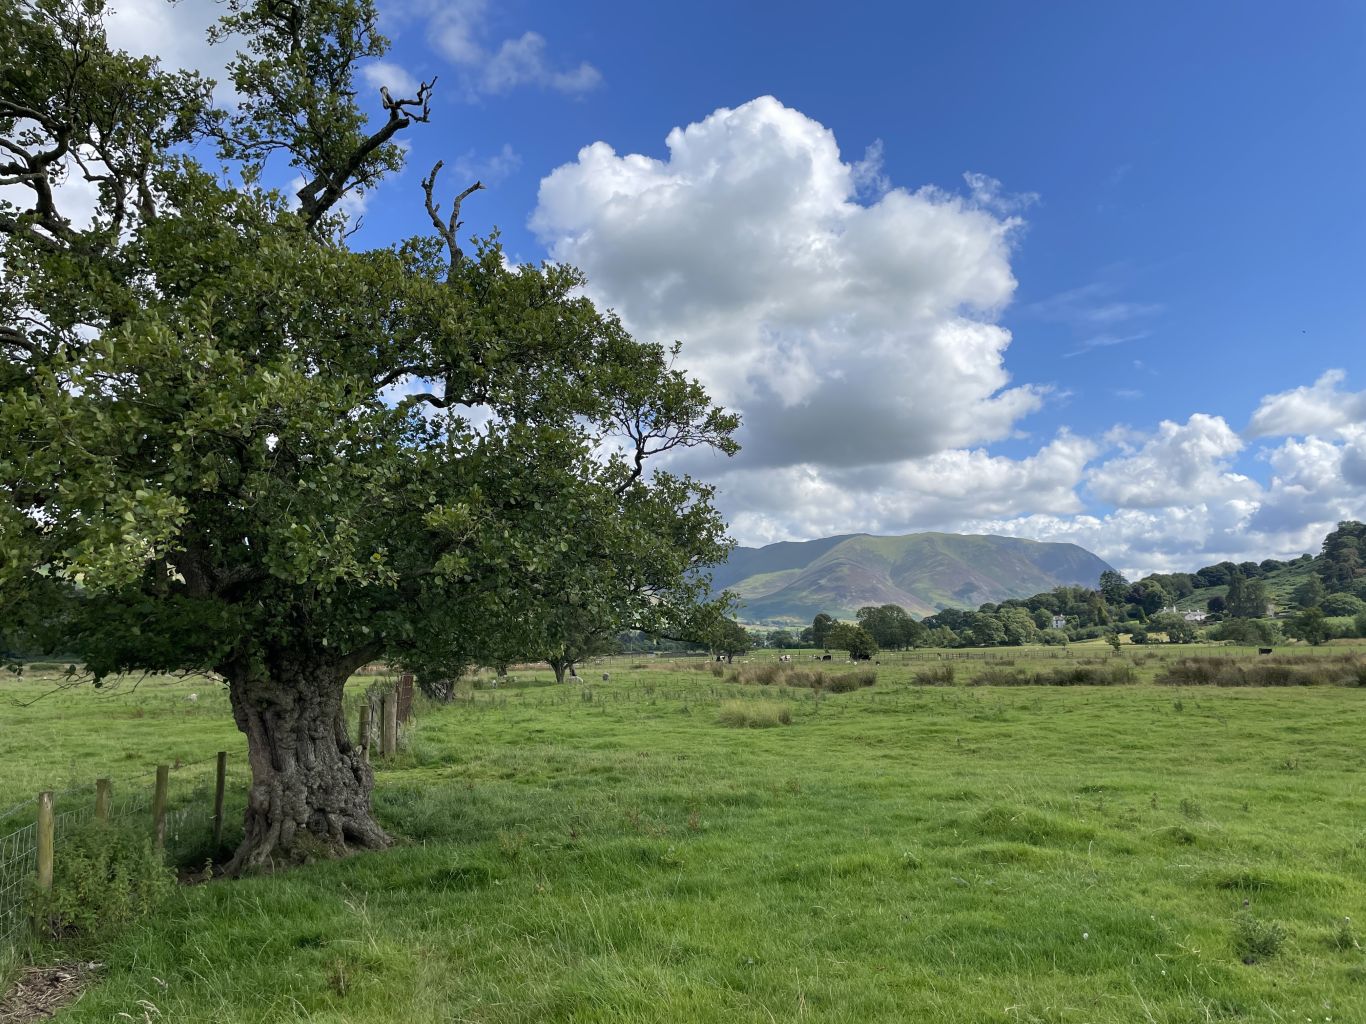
[(459, 29), (1097, 316), (1116, 312), (386, 74), (1104, 341), (1093, 303), (489, 169), (989, 193)]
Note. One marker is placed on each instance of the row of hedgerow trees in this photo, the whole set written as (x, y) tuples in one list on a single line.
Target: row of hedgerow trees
[(233, 440)]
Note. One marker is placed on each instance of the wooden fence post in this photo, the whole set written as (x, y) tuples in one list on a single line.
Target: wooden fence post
[(46, 836), (103, 797), (364, 737), (389, 724), (220, 785), (159, 807)]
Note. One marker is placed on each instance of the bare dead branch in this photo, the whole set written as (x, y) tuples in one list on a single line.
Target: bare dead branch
[(449, 230)]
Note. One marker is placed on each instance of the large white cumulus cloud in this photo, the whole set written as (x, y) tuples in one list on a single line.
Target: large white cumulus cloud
[(176, 34), (1175, 503), (855, 325), (1180, 463), (847, 333), (1320, 408), (939, 491)]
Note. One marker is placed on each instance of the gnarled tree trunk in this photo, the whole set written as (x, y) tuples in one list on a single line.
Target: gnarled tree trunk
[(310, 785)]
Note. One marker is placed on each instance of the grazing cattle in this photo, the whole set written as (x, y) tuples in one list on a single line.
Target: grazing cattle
[(1263, 650), (825, 657), (607, 677)]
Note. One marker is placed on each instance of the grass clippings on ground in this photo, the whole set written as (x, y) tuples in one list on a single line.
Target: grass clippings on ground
[(38, 993)]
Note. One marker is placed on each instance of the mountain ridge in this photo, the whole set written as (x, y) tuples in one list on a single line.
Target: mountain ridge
[(791, 581)]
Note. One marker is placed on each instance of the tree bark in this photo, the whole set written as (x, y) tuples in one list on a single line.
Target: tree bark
[(563, 668), (310, 789)]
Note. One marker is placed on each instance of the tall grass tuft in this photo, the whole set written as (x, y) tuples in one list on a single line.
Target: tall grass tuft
[(1274, 670), (745, 714), (847, 682), (935, 675), (1068, 675), (805, 678), (781, 674), (764, 675), (1255, 940)]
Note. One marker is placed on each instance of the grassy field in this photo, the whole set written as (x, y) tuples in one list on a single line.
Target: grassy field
[(612, 852)]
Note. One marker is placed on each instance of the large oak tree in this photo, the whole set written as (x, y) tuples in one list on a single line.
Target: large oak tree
[(231, 441)]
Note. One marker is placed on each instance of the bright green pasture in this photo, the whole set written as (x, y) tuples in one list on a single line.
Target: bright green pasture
[(61, 736), (609, 852)]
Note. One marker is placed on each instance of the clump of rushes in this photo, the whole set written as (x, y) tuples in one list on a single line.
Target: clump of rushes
[(935, 675), (845, 682), (743, 714)]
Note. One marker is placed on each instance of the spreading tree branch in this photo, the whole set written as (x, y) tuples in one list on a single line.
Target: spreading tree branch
[(329, 184)]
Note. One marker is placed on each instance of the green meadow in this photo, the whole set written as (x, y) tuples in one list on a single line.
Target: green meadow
[(638, 850)]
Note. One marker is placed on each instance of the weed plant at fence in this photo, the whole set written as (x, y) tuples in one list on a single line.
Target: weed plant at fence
[(189, 829)]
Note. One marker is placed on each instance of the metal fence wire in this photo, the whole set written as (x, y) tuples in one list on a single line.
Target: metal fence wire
[(189, 829), (18, 864)]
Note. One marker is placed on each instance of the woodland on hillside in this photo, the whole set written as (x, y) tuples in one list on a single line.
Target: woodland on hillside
[(1311, 598)]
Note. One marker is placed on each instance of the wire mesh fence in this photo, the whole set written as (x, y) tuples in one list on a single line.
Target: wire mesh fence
[(18, 865), (189, 829)]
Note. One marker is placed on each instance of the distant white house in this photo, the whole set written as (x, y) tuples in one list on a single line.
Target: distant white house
[(1191, 616), (1059, 621)]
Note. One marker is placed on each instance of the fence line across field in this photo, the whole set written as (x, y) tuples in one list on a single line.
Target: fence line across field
[(189, 816), (175, 820)]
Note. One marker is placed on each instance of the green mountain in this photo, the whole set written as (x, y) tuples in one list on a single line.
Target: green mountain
[(922, 572)]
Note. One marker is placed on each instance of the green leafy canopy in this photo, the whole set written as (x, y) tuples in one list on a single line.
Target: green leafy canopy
[(231, 441)]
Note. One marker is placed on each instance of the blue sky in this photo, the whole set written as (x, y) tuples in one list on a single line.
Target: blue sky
[(1098, 337)]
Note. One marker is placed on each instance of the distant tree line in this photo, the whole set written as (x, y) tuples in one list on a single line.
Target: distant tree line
[(1334, 588)]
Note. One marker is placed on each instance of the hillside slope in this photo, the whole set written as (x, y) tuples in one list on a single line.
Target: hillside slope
[(922, 572)]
